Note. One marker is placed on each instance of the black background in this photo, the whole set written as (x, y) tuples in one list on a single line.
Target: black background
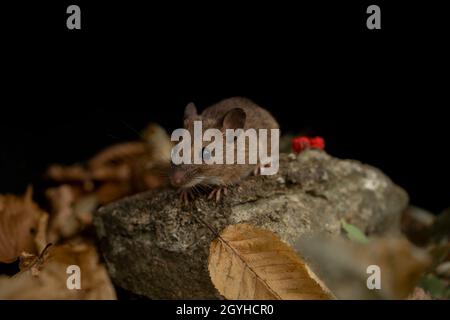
[(375, 309), (379, 96)]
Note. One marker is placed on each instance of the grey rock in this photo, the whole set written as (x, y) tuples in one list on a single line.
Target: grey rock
[(154, 246)]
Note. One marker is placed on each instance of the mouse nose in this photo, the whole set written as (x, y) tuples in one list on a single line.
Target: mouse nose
[(177, 178)]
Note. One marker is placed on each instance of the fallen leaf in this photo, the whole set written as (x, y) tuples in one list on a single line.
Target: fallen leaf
[(70, 211), (247, 262), (117, 171), (84, 208), (63, 223), (112, 191), (19, 219), (120, 172), (40, 239), (343, 265), (117, 154), (51, 280), (159, 143), (73, 173)]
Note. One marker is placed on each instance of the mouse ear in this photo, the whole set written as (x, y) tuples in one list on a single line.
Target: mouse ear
[(190, 111), (234, 119)]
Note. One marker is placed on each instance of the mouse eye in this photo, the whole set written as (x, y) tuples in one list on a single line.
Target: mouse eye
[(206, 154)]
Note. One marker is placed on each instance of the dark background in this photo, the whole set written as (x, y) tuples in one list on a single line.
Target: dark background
[(377, 96)]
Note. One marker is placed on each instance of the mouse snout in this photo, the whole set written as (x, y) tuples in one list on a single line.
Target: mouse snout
[(177, 177)]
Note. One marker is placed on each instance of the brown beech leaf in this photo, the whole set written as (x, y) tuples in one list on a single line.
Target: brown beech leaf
[(84, 208), (118, 154), (112, 172), (50, 281), (63, 222), (71, 211), (19, 219), (75, 173), (159, 143), (40, 239), (344, 265), (247, 262), (112, 191)]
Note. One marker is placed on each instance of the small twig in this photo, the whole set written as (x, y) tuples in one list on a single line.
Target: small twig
[(36, 262)]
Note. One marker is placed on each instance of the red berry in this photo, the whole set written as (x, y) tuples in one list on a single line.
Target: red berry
[(300, 143), (317, 142)]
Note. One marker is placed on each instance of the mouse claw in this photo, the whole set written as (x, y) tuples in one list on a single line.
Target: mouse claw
[(217, 192), (185, 196)]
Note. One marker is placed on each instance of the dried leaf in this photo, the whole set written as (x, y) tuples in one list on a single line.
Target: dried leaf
[(50, 281), (84, 208), (63, 223), (120, 170), (343, 265), (71, 211), (41, 235), (118, 154), (247, 262), (159, 143), (19, 218), (68, 174), (112, 172), (353, 233), (111, 191)]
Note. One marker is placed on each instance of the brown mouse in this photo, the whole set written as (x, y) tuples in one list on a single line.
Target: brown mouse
[(232, 113)]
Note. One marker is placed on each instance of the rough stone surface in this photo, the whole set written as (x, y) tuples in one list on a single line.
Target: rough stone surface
[(158, 248)]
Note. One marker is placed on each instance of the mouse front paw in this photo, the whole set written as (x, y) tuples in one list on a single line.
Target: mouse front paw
[(186, 195), (217, 193)]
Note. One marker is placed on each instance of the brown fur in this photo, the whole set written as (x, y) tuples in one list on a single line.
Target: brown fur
[(213, 117)]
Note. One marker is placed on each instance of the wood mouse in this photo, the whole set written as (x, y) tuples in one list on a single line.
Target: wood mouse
[(231, 113)]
